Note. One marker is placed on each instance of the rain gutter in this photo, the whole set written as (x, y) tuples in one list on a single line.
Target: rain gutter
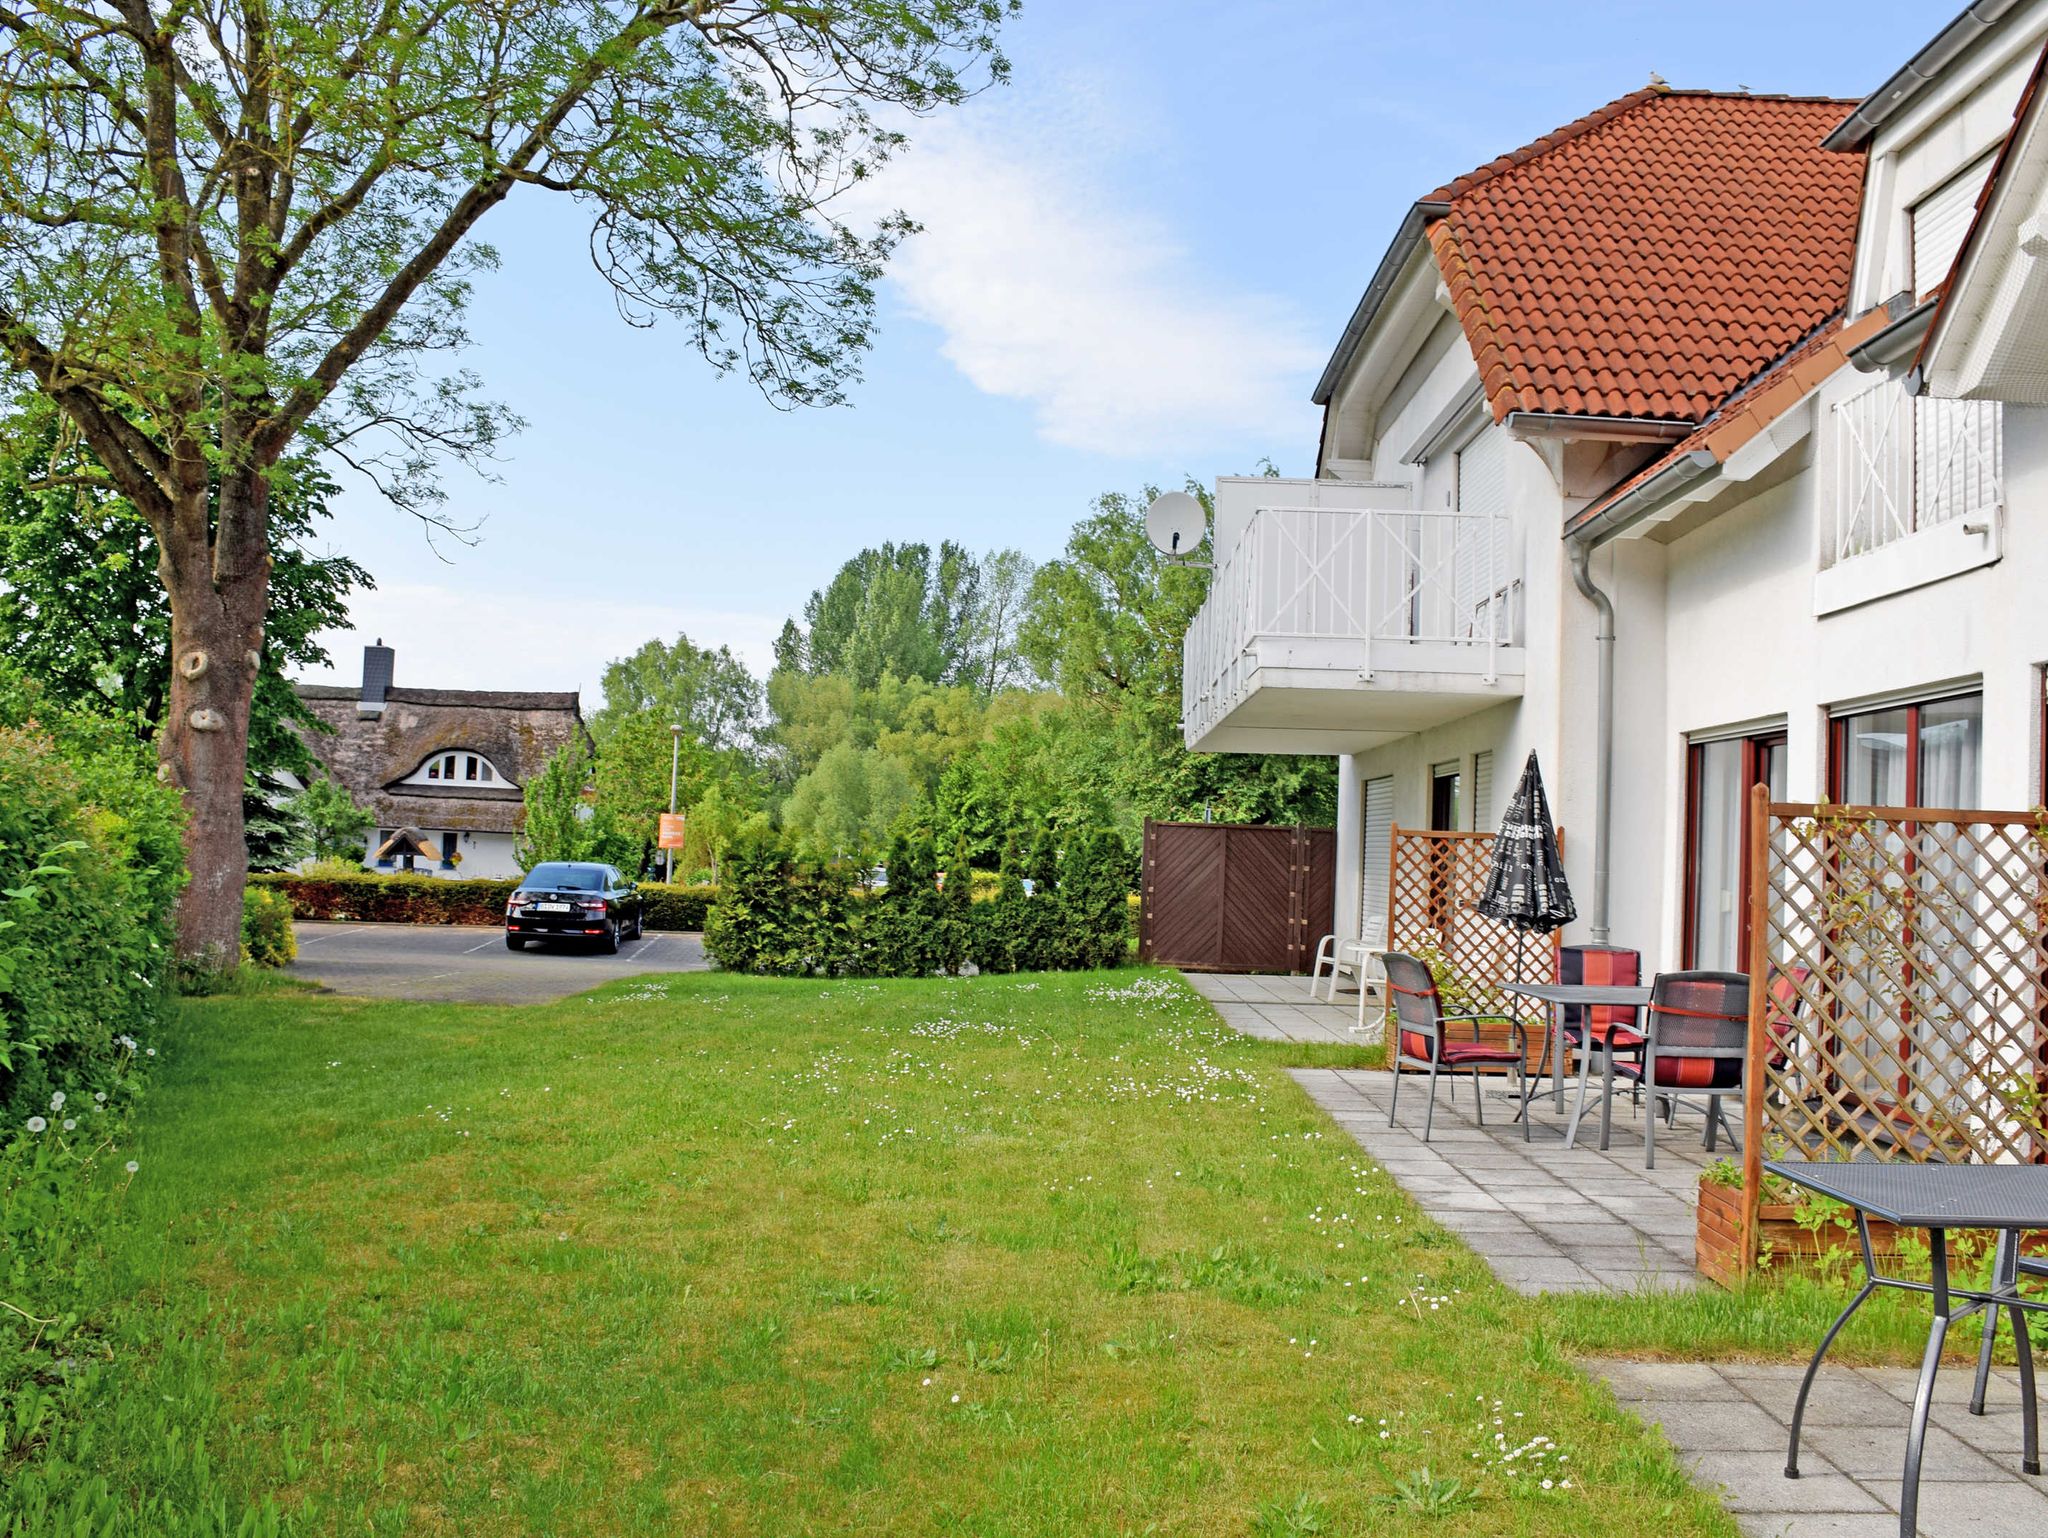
[(1580, 552), (1531, 425), (1579, 545), (1406, 238), (1898, 342), (1916, 74)]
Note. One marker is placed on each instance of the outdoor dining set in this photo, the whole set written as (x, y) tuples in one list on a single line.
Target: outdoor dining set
[(1683, 1037)]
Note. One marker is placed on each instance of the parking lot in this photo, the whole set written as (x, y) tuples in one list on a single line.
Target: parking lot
[(471, 965)]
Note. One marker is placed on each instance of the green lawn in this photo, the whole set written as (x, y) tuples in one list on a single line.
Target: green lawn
[(716, 1255)]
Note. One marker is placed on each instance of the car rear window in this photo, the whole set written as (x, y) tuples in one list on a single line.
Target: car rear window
[(566, 878)]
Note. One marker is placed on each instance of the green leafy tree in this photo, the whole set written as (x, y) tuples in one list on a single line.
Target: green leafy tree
[(943, 617), (632, 779), (232, 232), (1106, 623), (709, 692), (335, 826), (83, 610), (563, 822), (847, 806)]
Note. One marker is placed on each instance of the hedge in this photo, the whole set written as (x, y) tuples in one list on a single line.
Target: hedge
[(90, 867), (380, 899), (787, 914)]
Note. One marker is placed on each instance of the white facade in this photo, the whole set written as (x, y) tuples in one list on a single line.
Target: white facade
[(485, 856), (1750, 608)]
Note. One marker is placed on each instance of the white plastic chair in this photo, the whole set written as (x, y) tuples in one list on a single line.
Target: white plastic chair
[(1351, 958)]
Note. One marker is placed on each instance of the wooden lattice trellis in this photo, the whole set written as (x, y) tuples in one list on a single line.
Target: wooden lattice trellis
[(1433, 880), (1898, 957)]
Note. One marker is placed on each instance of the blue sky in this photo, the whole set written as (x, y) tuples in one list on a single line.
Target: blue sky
[(1136, 258)]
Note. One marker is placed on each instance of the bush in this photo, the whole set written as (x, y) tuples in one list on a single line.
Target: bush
[(267, 938), (371, 898), (799, 918), (998, 922), (1096, 874), (779, 916), (677, 906), (90, 867)]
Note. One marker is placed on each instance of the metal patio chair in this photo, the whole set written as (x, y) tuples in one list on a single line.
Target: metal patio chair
[(1419, 1040), (1695, 1041)]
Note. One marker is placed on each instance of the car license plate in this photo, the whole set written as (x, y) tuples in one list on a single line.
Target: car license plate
[(551, 908)]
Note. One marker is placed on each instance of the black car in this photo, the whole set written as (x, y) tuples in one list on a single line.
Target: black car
[(564, 900)]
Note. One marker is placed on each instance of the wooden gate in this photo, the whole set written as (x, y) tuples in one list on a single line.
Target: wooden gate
[(1236, 897)]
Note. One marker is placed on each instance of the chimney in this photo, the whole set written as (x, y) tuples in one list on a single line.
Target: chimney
[(378, 661)]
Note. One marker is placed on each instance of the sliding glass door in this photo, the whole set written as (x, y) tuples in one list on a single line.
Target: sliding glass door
[(1719, 774)]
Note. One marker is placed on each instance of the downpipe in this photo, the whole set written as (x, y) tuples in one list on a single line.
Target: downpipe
[(1580, 553)]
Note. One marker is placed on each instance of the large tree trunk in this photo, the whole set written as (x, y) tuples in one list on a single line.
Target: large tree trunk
[(219, 590)]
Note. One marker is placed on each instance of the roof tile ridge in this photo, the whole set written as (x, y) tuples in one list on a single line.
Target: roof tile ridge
[(1458, 186)]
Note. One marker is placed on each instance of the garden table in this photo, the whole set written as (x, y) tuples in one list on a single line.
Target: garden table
[(2010, 1198), (1556, 997)]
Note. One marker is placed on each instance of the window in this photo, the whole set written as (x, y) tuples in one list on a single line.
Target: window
[(1482, 793), (1719, 774), (1924, 754), (1443, 796), (462, 766), (564, 877)]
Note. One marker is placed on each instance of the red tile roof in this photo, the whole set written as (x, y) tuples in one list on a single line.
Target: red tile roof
[(1651, 257), (1754, 407)]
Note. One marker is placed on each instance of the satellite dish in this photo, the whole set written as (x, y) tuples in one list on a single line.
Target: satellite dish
[(1175, 523)]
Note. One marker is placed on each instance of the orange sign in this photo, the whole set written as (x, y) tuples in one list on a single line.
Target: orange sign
[(671, 835)]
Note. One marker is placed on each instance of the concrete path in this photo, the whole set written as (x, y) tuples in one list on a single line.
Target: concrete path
[(1730, 1422), (1546, 1218), (1279, 1008), (454, 963)]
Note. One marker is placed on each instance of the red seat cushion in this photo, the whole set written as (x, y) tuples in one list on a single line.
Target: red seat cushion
[(1619, 1037), (1479, 1052), (1690, 1072)]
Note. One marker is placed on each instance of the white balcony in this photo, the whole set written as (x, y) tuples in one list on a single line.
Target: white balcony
[(1332, 631)]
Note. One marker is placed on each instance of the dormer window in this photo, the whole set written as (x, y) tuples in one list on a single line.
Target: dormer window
[(460, 767)]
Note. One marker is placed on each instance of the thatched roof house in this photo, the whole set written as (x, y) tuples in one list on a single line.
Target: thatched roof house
[(452, 763)]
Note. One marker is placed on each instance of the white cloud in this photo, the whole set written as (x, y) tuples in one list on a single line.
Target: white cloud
[(450, 638), (1051, 286)]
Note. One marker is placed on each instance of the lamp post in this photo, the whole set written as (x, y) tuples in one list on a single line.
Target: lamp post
[(675, 758)]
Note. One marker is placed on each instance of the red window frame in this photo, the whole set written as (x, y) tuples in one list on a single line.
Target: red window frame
[(1754, 750), (1838, 743)]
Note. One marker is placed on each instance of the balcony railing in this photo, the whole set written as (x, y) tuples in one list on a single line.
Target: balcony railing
[(1903, 463), (1391, 582)]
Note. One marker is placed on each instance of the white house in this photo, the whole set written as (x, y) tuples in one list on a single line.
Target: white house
[(1653, 446), (448, 764)]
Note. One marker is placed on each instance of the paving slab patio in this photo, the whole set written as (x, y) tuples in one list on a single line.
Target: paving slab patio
[(1546, 1218), (1730, 1424), (1280, 1009)]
